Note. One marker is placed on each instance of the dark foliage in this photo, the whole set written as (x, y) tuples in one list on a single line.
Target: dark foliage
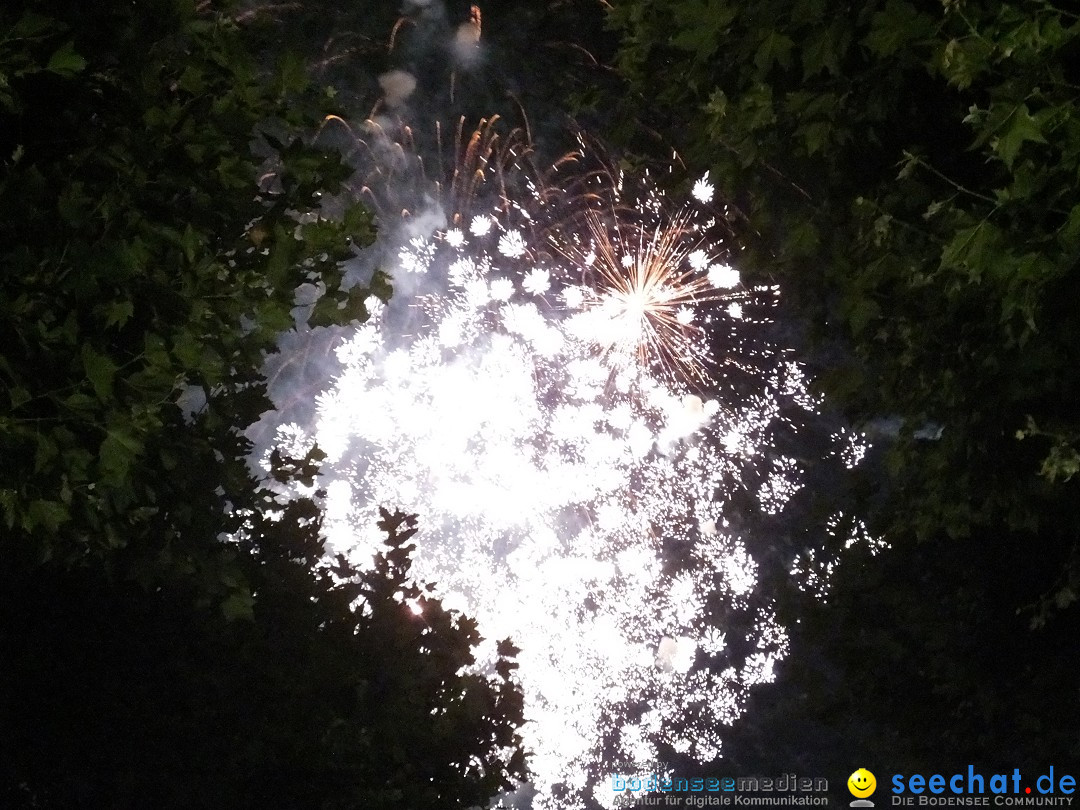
[(323, 690), (906, 172), (170, 635)]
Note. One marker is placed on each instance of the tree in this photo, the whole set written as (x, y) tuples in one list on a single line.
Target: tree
[(906, 172), (142, 259), (171, 634), (331, 688)]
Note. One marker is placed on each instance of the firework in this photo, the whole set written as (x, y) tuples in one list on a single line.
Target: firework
[(392, 177), (538, 412), (643, 292)]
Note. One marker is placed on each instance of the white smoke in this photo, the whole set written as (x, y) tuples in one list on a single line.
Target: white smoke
[(397, 86)]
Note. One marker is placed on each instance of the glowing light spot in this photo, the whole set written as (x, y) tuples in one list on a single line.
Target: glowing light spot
[(698, 260), (480, 225), (512, 245), (537, 281), (703, 189), (723, 277), (574, 297), (502, 289)]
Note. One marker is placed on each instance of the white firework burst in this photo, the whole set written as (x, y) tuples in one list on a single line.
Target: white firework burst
[(703, 189), (540, 423)]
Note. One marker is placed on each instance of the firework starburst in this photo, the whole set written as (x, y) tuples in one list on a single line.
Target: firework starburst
[(544, 391), (538, 415), (644, 290)]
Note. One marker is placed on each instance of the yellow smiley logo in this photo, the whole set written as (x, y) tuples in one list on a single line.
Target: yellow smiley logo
[(861, 783)]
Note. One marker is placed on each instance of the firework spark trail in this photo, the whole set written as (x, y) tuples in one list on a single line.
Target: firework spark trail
[(569, 481), (643, 295)]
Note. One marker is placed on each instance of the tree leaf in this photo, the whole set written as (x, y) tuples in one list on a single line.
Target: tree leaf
[(895, 27), (19, 397), (816, 135), (775, 48), (117, 452), (99, 370), (118, 312), (65, 61), (1069, 233), (824, 48), (238, 606), (706, 21), (50, 514), (32, 26), (864, 312), (975, 248), (1020, 127)]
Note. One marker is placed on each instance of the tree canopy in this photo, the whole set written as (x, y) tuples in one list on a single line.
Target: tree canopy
[(147, 252), (171, 634), (338, 688), (906, 172)]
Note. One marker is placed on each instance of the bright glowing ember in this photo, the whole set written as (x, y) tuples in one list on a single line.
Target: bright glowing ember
[(540, 418)]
